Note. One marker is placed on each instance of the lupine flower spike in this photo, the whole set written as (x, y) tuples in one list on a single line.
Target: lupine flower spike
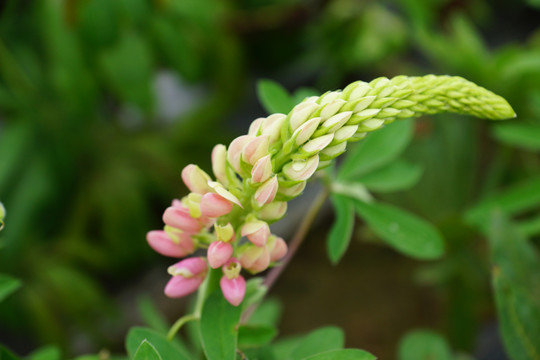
[(259, 172)]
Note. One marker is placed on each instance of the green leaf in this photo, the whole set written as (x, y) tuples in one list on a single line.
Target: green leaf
[(274, 97), (424, 345), (146, 351), (168, 350), (255, 291), (151, 315), (522, 135), (345, 354), (512, 201), (341, 231), (128, 69), (255, 335), (268, 313), (218, 327), (5, 354), (46, 353), (401, 230), (8, 285), (321, 340), (516, 283), (398, 175), (377, 149)]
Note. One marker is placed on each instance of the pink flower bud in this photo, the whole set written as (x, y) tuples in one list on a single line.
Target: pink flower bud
[(235, 151), (262, 169), (266, 192), (214, 205), (219, 163), (277, 248), (178, 203), (301, 170), (255, 259), (181, 219), (188, 275), (273, 211), (219, 253), (233, 290), (195, 179), (257, 232), (255, 149), (164, 244)]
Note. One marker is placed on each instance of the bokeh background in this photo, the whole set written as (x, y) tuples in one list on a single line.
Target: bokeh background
[(103, 102)]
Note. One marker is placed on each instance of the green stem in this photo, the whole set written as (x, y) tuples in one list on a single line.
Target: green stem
[(205, 289), (295, 243), (179, 323)]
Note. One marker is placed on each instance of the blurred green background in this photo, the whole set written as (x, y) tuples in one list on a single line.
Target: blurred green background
[(102, 103)]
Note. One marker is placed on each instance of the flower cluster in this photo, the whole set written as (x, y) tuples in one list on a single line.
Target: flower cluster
[(259, 172)]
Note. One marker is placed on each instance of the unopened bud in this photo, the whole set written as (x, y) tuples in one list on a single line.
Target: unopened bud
[(301, 170), (332, 108), (255, 126), (292, 191), (301, 113), (318, 144), (271, 127), (234, 152), (187, 275), (273, 211), (219, 163), (219, 253), (195, 179), (266, 192), (234, 289), (306, 130), (255, 149), (180, 218), (262, 169), (277, 248), (165, 245), (256, 231), (254, 259), (214, 205)]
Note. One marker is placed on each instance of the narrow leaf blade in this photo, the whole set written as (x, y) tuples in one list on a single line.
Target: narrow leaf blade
[(516, 283), (8, 285), (341, 231), (401, 230), (274, 97), (399, 175)]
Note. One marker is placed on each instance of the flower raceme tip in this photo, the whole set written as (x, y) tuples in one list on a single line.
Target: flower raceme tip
[(259, 172)]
